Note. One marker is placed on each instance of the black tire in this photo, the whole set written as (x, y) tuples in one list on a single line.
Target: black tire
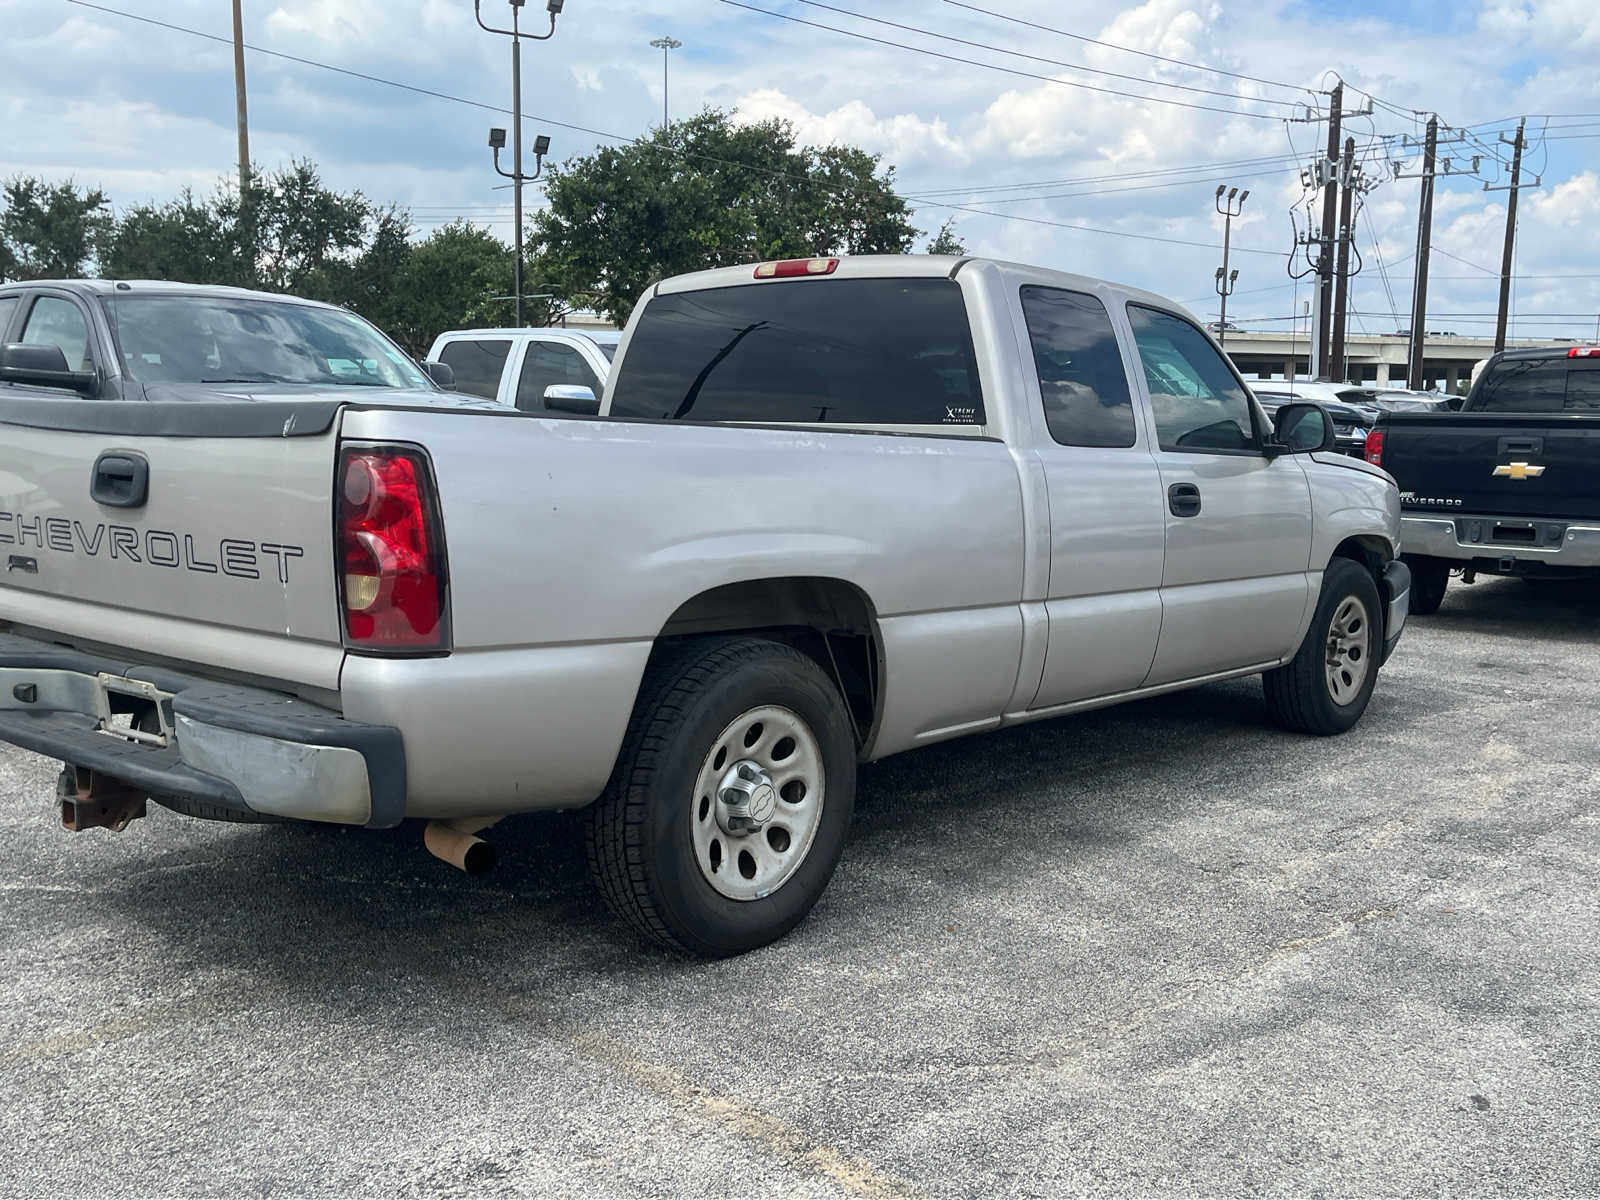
[(1298, 693), (1429, 579), (639, 833)]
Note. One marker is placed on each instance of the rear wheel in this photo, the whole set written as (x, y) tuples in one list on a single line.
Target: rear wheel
[(1429, 579), (731, 799), (1324, 689)]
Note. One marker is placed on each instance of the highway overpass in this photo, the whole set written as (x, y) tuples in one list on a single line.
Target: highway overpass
[(1374, 358)]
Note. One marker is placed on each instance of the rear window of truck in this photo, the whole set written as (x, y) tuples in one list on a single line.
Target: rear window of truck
[(837, 351), (1539, 385)]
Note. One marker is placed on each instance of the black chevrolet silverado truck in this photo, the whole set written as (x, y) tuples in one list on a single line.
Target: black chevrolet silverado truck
[(1507, 485)]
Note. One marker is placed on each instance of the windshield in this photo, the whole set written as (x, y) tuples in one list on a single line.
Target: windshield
[(609, 349), (221, 339)]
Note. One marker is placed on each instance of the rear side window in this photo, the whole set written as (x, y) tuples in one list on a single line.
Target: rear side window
[(549, 363), (856, 351), (57, 322), (477, 364), (1540, 385), (1081, 377)]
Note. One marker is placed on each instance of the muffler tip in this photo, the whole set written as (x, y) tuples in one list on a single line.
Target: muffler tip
[(461, 850)]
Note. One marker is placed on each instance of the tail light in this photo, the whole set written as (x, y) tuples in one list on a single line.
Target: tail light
[(1584, 352), (1373, 451), (392, 582)]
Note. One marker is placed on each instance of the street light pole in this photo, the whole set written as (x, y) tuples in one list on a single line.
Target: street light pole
[(666, 45), (1230, 207), (515, 175)]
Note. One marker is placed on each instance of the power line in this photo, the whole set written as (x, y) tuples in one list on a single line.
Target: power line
[(1055, 62), (1293, 87), (624, 138), (973, 62)]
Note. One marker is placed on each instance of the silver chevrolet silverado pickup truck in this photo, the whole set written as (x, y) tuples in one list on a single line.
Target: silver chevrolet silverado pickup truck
[(255, 566)]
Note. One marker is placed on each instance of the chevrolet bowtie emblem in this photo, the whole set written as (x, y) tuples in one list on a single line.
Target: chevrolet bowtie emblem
[(1519, 471)]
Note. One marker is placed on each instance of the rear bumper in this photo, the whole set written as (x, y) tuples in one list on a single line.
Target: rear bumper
[(242, 748), (1465, 538), (1397, 604)]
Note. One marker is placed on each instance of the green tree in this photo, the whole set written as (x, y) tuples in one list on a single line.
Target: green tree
[(186, 239), (450, 280), (708, 192), (946, 241), (292, 229), (51, 231)]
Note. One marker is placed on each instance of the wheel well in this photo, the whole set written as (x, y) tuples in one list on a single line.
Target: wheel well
[(1371, 551), (828, 620)]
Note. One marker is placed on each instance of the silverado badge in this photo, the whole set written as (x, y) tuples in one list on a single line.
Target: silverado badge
[(1519, 470)]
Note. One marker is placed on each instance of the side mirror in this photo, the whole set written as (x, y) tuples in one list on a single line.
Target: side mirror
[(569, 398), (442, 374), (43, 366), (1455, 402), (1302, 428)]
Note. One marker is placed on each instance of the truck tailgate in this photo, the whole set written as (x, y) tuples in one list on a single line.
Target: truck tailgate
[(226, 561), (1469, 462)]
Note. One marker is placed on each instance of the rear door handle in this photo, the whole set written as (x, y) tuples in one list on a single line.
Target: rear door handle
[(1184, 500), (121, 479)]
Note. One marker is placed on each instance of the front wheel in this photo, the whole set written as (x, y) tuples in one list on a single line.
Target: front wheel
[(1324, 689), (731, 799)]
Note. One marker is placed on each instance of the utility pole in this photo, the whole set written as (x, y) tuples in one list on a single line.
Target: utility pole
[(1230, 208), (1330, 204), (666, 45), (1419, 295), (515, 175), (239, 90), (1511, 240), (1338, 368)]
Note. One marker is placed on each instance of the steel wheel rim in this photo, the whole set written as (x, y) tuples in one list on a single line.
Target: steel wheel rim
[(776, 750), (1349, 650)]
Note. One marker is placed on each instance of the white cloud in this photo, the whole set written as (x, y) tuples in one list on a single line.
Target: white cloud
[(344, 21), (1561, 26), (901, 138)]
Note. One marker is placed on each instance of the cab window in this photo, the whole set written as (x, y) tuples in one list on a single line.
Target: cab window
[(549, 363), (1081, 377), (57, 322), (477, 364), (1198, 402)]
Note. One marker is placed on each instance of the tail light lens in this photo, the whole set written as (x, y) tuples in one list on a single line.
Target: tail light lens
[(1374, 448), (392, 581)]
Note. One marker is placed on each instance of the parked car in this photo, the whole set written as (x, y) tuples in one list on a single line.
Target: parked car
[(1510, 484), (832, 516), (519, 367), (1350, 421), (1382, 400)]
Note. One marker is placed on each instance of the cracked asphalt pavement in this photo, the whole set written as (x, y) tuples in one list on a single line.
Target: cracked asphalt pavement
[(1162, 948)]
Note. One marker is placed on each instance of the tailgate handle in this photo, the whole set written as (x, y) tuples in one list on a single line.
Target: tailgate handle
[(1521, 445), (121, 479)]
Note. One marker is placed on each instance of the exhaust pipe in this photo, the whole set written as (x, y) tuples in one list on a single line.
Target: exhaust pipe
[(455, 842)]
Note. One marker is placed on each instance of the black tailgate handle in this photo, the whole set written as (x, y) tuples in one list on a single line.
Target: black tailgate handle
[(121, 479), (1521, 445), (1184, 500)]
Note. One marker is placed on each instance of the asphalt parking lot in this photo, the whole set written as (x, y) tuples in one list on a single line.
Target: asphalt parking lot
[(1159, 949)]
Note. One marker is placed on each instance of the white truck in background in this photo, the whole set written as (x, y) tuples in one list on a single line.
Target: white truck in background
[(257, 565)]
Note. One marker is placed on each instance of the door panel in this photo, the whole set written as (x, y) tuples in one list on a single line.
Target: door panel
[(1234, 586), (1103, 602)]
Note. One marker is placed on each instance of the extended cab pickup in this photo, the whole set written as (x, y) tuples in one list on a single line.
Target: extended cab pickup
[(831, 510), (1508, 485)]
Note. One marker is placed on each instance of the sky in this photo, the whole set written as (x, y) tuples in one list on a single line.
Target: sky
[(143, 112)]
